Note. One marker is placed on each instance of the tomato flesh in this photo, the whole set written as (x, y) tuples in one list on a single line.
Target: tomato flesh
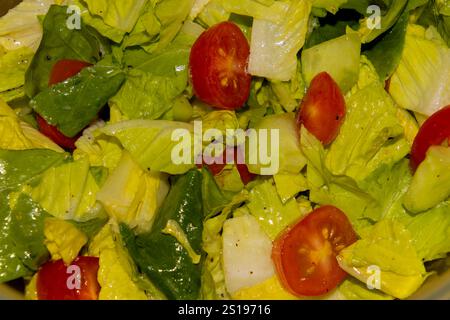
[(434, 131), (322, 111), (65, 69), (56, 281), (305, 255), (55, 135), (218, 67)]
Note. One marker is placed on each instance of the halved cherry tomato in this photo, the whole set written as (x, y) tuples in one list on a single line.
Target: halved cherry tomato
[(65, 69), (61, 71), (53, 133), (433, 132), (56, 281), (218, 67), (218, 165), (323, 108), (305, 255)]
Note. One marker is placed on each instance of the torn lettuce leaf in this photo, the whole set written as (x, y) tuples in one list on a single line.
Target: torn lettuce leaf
[(421, 82), (59, 42), (266, 206), (118, 14), (150, 143), (63, 239), (72, 104), (133, 196), (18, 135), (387, 247), (370, 136), (274, 45), (20, 27), (22, 248), (68, 191), (117, 274)]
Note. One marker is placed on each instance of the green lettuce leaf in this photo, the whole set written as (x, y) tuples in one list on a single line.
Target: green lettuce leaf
[(118, 14), (132, 196), (370, 136), (386, 53), (430, 232), (60, 42), (431, 183), (421, 82), (22, 248), (18, 135), (163, 256), (340, 57), (118, 276), (274, 45), (14, 65), (151, 144), (289, 158), (392, 12), (159, 25), (388, 247), (151, 88), (20, 167), (266, 206), (20, 27), (68, 191), (71, 105)]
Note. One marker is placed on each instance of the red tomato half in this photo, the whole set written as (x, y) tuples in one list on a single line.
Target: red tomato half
[(65, 69), (323, 108), (56, 281), (305, 255), (433, 132), (218, 67), (55, 135)]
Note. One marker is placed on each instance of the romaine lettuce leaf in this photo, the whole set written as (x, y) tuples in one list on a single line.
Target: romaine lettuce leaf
[(63, 239), (431, 183), (386, 53), (421, 82), (22, 166), (132, 196), (159, 25), (18, 135), (20, 27), (118, 14), (289, 158), (14, 65), (370, 136), (68, 191), (340, 57), (150, 143), (22, 248), (117, 275), (386, 246), (430, 232), (352, 289), (71, 105), (274, 45), (100, 149), (389, 17), (60, 42), (266, 206)]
